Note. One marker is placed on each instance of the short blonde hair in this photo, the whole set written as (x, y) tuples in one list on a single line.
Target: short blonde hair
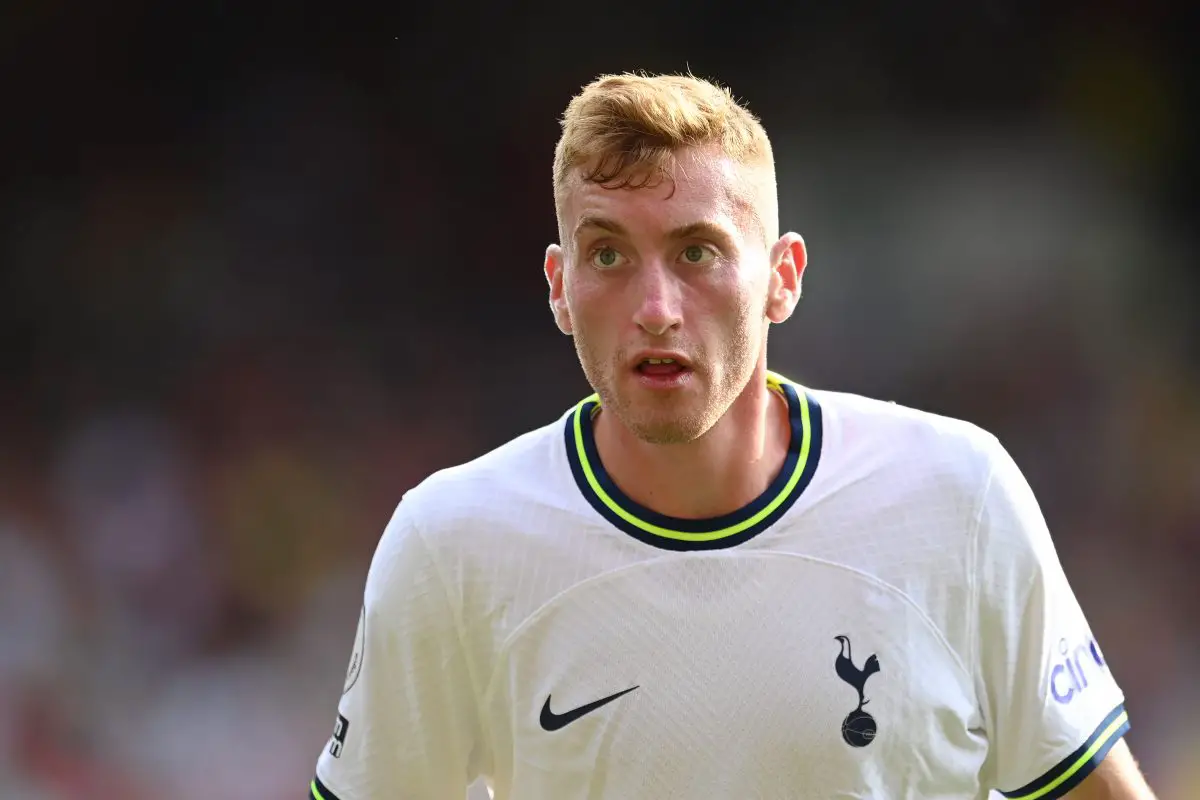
[(624, 130)]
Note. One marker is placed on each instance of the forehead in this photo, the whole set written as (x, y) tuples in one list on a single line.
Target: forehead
[(705, 186)]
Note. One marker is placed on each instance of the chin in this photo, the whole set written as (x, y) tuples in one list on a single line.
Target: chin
[(663, 434), (663, 429), (658, 418)]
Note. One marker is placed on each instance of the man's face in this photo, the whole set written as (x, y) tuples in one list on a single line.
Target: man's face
[(667, 290)]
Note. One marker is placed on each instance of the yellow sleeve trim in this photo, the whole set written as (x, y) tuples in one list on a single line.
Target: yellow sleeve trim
[(1077, 766)]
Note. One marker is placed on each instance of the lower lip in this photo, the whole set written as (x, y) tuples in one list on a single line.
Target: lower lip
[(663, 380)]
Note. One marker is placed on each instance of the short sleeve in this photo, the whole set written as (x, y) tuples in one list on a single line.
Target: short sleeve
[(1052, 706), (407, 722)]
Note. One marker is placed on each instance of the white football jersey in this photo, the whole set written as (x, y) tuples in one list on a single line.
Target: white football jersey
[(888, 620)]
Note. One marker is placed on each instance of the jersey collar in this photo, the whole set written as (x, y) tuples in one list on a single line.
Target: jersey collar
[(674, 533)]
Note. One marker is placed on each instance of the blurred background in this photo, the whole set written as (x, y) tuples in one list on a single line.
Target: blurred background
[(263, 269)]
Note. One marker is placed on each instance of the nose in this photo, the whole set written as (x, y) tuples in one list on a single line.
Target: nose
[(660, 300)]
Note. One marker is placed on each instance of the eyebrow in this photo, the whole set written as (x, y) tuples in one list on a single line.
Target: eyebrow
[(703, 228), (600, 223)]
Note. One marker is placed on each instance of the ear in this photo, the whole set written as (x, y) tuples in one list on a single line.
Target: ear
[(554, 266), (788, 260)]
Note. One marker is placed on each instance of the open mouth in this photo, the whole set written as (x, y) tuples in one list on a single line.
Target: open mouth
[(660, 366), (662, 371)]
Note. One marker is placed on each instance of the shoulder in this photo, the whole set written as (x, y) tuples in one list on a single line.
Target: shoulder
[(952, 481), (460, 508), (896, 438), (470, 507), (476, 528), (943, 468), (522, 468)]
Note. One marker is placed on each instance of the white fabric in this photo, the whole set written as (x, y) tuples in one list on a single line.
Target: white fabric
[(497, 585)]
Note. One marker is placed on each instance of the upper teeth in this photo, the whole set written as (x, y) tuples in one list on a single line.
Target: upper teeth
[(660, 361)]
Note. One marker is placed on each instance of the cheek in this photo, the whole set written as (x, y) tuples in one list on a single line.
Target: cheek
[(734, 302), (754, 296), (592, 309), (580, 295)]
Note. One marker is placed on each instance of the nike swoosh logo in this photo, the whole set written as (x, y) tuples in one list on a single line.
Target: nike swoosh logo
[(552, 722)]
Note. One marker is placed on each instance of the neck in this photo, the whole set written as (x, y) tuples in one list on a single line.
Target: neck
[(722, 471)]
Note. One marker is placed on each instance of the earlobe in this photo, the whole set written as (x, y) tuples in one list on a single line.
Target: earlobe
[(553, 269)]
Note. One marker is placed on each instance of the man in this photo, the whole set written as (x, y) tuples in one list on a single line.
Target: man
[(706, 580)]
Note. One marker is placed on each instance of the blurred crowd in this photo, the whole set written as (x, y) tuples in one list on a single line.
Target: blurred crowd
[(250, 293)]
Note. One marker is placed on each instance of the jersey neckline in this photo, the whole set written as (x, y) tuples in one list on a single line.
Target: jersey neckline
[(712, 533)]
